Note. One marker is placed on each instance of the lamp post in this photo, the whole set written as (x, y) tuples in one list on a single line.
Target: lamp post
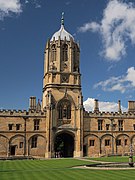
[(112, 135), (25, 141), (131, 163)]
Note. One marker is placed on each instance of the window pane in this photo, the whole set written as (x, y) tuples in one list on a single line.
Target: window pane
[(100, 122)]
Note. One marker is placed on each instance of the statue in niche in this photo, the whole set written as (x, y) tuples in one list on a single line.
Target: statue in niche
[(75, 79), (64, 112), (65, 78), (64, 66), (76, 65), (52, 66)]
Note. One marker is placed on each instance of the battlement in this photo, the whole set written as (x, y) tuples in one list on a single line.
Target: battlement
[(5, 112), (109, 114), (97, 113)]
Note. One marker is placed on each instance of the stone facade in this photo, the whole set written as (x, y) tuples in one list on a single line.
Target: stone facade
[(108, 133), (60, 126), (18, 129)]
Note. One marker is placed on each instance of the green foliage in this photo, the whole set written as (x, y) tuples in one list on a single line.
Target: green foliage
[(59, 144)]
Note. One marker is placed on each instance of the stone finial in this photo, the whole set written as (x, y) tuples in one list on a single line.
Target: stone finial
[(48, 44), (62, 19), (38, 107)]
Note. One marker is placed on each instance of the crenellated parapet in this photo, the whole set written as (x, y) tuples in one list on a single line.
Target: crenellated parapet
[(4, 112), (109, 114), (119, 114)]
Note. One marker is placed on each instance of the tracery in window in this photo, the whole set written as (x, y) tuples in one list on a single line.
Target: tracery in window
[(64, 110)]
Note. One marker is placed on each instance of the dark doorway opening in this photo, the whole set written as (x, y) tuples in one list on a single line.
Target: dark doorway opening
[(64, 145), (12, 150), (84, 150)]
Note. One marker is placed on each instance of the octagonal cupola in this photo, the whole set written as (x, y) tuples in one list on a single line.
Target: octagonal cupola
[(62, 33)]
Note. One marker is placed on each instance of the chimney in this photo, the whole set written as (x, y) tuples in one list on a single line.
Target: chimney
[(131, 106), (96, 108), (119, 106), (32, 103)]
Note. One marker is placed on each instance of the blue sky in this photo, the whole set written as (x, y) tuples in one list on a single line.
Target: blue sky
[(105, 30)]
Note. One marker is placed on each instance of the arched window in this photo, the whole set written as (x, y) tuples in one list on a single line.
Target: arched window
[(53, 53), (64, 110), (65, 52)]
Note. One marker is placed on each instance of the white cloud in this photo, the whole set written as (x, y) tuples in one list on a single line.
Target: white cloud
[(7, 7), (116, 27), (10, 7), (122, 83), (103, 106), (131, 76), (89, 27)]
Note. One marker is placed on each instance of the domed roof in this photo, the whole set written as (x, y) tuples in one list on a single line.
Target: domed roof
[(62, 33)]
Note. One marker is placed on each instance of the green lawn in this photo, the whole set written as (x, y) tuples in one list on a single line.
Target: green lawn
[(57, 169), (112, 159)]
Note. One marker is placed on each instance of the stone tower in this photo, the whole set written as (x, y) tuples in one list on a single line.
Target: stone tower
[(62, 96)]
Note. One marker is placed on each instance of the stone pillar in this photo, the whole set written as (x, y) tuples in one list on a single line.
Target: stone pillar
[(79, 134)]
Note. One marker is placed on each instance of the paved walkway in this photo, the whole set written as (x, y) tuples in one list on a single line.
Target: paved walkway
[(83, 159), (103, 167)]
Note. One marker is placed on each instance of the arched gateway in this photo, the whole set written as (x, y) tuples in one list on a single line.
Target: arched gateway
[(64, 145)]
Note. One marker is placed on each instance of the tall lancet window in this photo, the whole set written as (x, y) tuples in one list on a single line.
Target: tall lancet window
[(74, 54), (65, 52), (75, 60), (64, 110), (53, 53)]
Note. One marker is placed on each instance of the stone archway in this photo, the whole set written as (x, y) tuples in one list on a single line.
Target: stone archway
[(17, 145), (64, 145), (122, 144), (4, 146)]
